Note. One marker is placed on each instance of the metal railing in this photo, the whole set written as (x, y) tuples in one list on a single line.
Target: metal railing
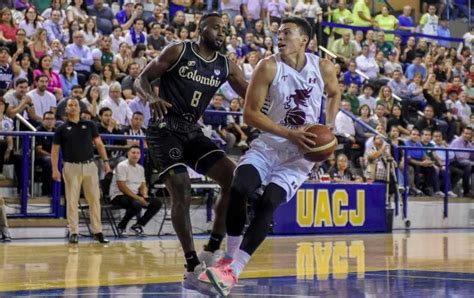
[(28, 164)]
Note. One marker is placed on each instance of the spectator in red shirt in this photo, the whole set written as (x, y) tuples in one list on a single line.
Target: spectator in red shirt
[(8, 27)]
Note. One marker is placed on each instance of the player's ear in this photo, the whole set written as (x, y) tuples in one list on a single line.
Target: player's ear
[(305, 40)]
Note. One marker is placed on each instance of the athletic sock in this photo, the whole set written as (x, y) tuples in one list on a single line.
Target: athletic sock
[(214, 243), (192, 260), (233, 244), (241, 259)]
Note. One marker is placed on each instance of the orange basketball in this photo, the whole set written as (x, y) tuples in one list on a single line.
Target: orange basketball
[(326, 143)]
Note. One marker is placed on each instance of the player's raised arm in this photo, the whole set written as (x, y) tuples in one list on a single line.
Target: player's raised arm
[(257, 92), (328, 71), (153, 71), (237, 80)]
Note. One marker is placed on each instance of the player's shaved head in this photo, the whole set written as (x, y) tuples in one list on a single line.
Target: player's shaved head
[(205, 18)]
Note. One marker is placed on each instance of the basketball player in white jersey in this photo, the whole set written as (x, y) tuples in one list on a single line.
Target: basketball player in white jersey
[(284, 96)]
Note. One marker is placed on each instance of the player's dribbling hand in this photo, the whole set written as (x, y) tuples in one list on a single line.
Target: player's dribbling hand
[(159, 108), (302, 139)]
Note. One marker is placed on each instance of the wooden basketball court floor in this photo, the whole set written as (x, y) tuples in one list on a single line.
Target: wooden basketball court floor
[(421, 263)]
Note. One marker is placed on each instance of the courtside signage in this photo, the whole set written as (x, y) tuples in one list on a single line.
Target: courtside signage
[(333, 208)]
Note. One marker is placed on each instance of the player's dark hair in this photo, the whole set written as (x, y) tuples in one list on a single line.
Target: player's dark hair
[(205, 17), (303, 24)]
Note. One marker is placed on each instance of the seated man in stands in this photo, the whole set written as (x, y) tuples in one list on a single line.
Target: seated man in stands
[(455, 173), (43, 152), (219, 122), (345, 129), (464, 160), (128, 190), (108, 125), (421, 164), (135, 128), (7, 154), (426, 142)]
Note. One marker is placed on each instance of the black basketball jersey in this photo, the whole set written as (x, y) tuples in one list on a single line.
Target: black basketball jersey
[(191, 82)]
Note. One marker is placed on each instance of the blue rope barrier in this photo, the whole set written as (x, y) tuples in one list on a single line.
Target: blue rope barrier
[(398, 32)]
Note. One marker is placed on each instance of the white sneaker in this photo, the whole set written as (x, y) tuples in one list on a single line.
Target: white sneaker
[(439, 194), (243, 145), (452, 194), (191, 282), (210, 258)]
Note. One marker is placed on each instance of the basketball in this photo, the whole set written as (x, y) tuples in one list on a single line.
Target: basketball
[(326, 143)]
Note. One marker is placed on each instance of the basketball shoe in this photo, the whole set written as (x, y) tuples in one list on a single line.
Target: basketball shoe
[(223, 261), (222, 278), (191, 282)]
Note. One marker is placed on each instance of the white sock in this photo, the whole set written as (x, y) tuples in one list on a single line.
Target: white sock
[(233, 244), (241, 258)]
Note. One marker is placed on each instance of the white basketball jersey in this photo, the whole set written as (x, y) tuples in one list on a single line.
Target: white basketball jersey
[(295, 97)]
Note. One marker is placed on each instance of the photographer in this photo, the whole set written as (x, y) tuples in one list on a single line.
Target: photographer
[(380, 164)]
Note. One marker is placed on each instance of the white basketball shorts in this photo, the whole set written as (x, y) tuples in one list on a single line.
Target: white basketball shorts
[(284, 166)]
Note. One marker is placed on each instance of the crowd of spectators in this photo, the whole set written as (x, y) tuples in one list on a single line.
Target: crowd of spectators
[(406, 87)]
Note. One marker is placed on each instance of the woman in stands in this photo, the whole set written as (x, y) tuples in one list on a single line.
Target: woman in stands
[(77, 11), (31, 23), (108, 78), (68, 77), (8, 27), (396, 119), (445, 117), (54, 82), (39, 45), (386, 97)]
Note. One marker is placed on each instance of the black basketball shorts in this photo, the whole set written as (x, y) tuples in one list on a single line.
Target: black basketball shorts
[(172, 150)]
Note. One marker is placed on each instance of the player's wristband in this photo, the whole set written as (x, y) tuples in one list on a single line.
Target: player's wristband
[(105, 160)]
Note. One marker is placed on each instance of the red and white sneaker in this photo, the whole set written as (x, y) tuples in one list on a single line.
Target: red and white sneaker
[(222, 278), (223, 261)]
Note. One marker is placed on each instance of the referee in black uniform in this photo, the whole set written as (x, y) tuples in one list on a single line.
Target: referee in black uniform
[(75, 137)]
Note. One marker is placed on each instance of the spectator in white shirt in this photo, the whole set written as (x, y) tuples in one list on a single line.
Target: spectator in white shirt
[(367, 64), (366, 98), (345, 129), (463, 108), (117, 39), (43, 100), (121, 112)]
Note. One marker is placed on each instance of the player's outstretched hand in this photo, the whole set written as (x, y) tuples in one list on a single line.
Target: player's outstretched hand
[(302, 139), (159, 108)]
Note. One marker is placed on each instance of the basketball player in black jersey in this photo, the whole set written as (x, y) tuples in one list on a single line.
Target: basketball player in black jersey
[(190, 73)]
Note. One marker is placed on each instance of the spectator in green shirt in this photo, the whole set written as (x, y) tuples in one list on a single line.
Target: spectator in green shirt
[(351, 96), (387, 21), (341, 15), (361, 14), (383, 46), (344, 47)]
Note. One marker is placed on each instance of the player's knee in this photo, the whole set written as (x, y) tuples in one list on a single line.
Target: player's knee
[(240, 187), (273, 197), (227, 174), (179, 187), (246, 181)]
